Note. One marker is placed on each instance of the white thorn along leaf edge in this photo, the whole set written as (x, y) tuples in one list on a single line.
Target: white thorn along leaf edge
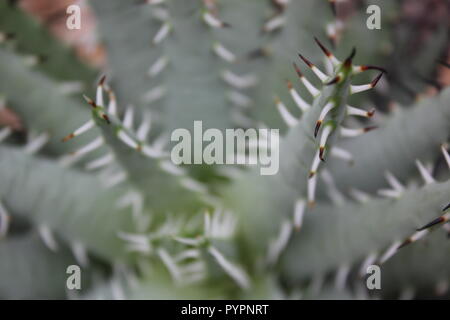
[(154, 2), (222, 225), (234, 271), (152, 151), (187, 254), (239, 99), (328, 65), (308, 85), (426, 176), (369, 260), (341, 277), (170, 265), (393, 182), (193, 272), (352, 111), (162, 33), (312, 182), (325, 134), (325, 111), (47, 237), (315, 165), (84, 128), (112, 104), (239, 81), (390, 252), (360, 88), (389, 193), (114, 179), (36, 143), (322, 76), (275, 23), (80, 254), (122, 135), (135, 200), (4, 221), (224, 53), (288, 118), (70, 159), (419, 235), (136, 242), (99, 101), (128, 117), (169, 167), (189, 241), (299, 211), (333, 192), (443, 149), (70, 87), (207, 224), (340, 153), (193, 185), (158, 66), (212, 21), (277, 245), (144, 128), (5, 133), (154, 94), (100, 162), (351, 133), (301, 104), (359, 195)]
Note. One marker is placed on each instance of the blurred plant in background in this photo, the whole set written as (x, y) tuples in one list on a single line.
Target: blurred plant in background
[(109, 199)]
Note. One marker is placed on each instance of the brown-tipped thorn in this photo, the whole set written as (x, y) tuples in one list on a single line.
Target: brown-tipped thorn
[(335, 80), (68, 137), (375, 81), (102, 81), (371, 113), (308, 63), (432, 223), (367, 129), (325, 50), (321, 150), (446, 207), (226, 25), (348, 61), (90, 101), (316, 129), (297, 69), (139, 148), (311, 204), (105, 116), (405, 243), (311, 174), (364, 68)]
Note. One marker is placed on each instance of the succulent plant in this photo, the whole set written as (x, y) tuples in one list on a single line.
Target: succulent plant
[(89, 180)]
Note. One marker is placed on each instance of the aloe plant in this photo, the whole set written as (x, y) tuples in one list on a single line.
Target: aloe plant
[(91, 181)]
